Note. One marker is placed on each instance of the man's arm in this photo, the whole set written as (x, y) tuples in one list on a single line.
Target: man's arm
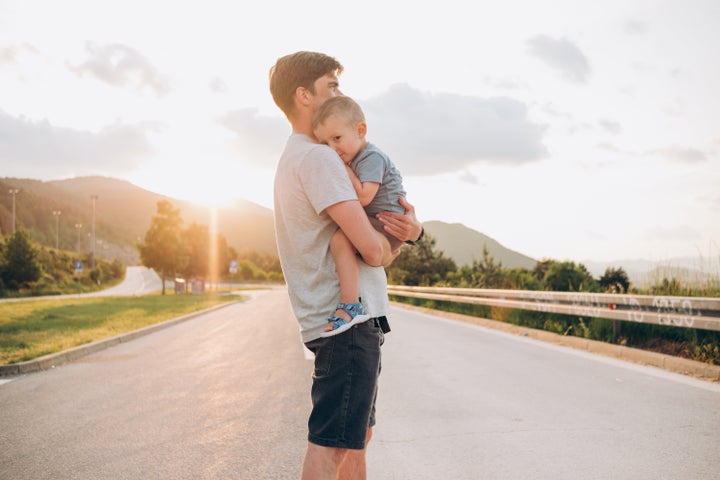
[(405, 227), (353, 221)]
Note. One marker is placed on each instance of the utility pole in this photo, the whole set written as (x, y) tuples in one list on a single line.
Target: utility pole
[(94, 201), (57, 213), (78, 226), (13, 192)]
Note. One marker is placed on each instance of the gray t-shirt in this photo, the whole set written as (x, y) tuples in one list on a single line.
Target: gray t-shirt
[(373, 165), (309, 178)]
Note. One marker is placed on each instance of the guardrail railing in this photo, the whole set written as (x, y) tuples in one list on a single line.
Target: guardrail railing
[(690, 312)]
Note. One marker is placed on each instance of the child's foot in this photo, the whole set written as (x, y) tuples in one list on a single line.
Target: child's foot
[(346, 316)]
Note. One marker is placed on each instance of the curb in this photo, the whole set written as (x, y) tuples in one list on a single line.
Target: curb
[(684, 366), (53, 360)]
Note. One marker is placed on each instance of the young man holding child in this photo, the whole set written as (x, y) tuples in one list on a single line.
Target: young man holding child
[(313, 197)]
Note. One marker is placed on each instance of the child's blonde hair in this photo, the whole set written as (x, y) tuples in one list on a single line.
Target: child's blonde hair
[(345, 107)]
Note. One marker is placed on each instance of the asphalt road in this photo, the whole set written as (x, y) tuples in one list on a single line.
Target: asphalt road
[(226, 396), (137, 281)]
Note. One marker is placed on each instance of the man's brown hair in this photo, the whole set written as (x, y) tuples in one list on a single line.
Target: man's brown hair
[(299, 69)]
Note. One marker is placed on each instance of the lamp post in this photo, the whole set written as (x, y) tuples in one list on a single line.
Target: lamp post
[(92, 257), (57, 213), (78, 226), (13, 192)]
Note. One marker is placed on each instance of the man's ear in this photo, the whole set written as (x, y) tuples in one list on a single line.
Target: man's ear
[(362, 129), (302, 95)]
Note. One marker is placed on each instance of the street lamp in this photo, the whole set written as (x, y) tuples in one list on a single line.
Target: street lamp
[(13, 192), (94, 200), (57, 213), (78, 226)]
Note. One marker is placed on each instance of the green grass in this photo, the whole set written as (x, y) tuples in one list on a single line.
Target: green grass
[(31, 329)]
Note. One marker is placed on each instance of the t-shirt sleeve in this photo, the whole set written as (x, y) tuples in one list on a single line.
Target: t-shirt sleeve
[(371, 168), (324, 179)]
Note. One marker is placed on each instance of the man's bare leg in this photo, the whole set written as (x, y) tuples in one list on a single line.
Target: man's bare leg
[(353, 466), (322, 463)]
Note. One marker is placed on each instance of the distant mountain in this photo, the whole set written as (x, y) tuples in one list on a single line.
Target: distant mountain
[(123, 212), (122, 216), (644, 273), (465, 245)]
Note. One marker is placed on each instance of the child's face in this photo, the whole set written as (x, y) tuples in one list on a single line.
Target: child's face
[(346, 139)]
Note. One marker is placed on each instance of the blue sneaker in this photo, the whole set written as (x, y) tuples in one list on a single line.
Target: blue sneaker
[(339, 324)]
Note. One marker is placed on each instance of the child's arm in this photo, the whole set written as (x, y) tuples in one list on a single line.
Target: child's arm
[(366, 191)]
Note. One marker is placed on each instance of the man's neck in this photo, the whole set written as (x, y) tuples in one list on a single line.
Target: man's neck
[(303, 128)]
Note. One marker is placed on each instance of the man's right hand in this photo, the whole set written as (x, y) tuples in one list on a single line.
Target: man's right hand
[(405, 227)]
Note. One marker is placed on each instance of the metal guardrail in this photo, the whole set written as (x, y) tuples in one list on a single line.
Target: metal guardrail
[(689, 312)]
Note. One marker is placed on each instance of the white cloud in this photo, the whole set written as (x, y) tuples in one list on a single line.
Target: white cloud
[(562, 55), (427, 133), (469, 177), (635, 27), (258, 138), (423, 133), (10, 54), (120, 65), (42, 150), (681, 154), (218, 85), (611, 126)]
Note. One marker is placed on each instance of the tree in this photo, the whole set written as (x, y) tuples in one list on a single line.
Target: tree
[(420, 264), (542, 267), (207, 257), (615, 280), (163, 249), (569, 277), (489, 273), (19, 265), (197, 245)]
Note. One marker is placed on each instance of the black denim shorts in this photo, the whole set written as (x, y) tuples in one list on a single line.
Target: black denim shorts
[(344, 387)]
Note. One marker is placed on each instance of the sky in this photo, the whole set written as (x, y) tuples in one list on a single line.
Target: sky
[(569, 130)]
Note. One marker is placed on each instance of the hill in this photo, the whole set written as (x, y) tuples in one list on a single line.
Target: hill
[(464, 245), (122, 216), (123, 212)]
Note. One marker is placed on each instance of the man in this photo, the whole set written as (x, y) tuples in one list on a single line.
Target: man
[(313, 197)]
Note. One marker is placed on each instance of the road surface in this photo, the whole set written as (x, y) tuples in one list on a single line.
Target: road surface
[(137, 281), (226, 396)]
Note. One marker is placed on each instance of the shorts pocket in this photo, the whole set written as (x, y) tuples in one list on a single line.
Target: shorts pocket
[(323, 349)]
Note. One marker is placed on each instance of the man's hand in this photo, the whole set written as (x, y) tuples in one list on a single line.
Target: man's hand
[(405, 227)]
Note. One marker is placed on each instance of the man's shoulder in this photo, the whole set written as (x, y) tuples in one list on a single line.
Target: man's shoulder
[(302, 152)]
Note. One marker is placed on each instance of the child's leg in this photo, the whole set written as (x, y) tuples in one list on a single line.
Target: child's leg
[(348, 270), (346, 265)]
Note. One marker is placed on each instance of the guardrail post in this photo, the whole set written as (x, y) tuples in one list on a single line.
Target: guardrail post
[(617, 326)]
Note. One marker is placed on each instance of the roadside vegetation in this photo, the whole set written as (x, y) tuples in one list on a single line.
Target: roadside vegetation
[(424, 266), (28, 269), (173, 250), (32, 328)]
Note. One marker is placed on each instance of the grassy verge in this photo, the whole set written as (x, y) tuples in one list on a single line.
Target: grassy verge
[(31, 329)]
